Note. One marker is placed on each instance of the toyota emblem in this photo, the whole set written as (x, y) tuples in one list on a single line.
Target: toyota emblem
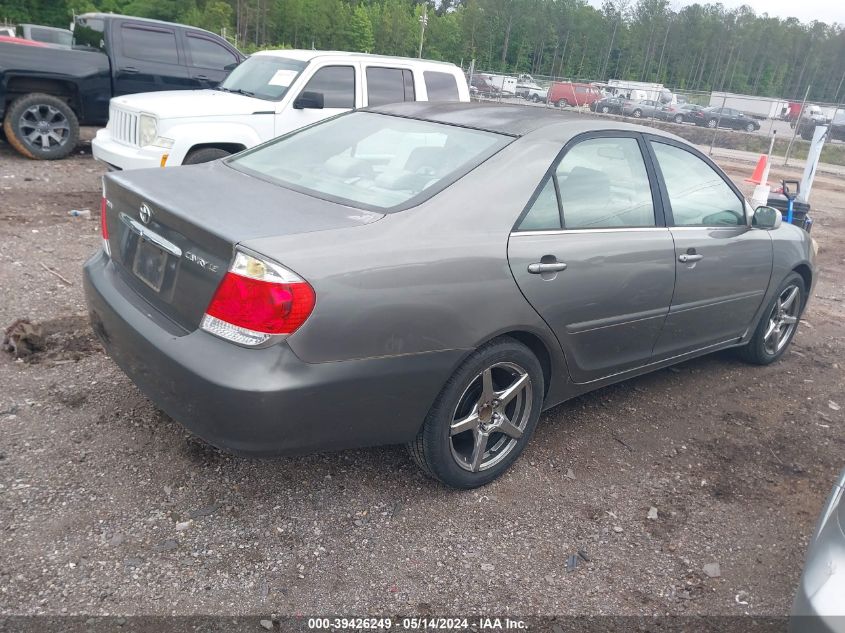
[(145, 213)]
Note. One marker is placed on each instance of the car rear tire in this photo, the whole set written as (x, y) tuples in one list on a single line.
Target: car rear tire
[(679, 118), (205, 155), (778, 325), (637, 114), (483, 417), (41, 127)]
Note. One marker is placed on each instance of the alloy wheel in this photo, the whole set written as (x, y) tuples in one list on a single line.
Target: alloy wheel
[(783, 320), (711, 123), (605, 109), (43, 126), (491, 416)]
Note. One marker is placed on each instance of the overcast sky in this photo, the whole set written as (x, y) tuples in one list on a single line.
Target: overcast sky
[(805, 10)]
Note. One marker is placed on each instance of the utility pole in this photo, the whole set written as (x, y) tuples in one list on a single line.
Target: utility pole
[(795, 129), (423, 22)]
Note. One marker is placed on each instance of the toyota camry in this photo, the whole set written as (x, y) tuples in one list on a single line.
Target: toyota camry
[(433, 275)]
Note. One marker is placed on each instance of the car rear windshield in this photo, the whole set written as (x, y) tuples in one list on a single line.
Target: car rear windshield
[(371, 161), (264, 76)]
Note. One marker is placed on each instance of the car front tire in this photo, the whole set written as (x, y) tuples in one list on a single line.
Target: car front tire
[(605, 110), (750, 127), (637, 114), (41, 127), (205, 155), (712, 123), (679, 119), (484, 416), (780, 321)]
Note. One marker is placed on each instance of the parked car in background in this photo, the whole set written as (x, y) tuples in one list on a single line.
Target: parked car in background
[(314, 292), (645, 109), (45, 34), (681, 113), (724, 117), (818, 606), (532, 92), (567, 93), (807, 127), (46, 93), (270, 94), (608, 105)]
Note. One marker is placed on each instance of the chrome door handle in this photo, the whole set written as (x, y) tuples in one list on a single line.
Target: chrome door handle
[(538, 268), (688, 259)]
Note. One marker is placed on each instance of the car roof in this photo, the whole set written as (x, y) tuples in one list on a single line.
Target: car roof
[(114, 16), (513, 120), (305, 55)]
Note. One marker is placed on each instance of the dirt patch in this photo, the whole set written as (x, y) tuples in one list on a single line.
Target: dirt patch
[(65, 340)]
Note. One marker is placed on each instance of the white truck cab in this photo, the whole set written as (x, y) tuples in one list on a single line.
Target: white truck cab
[(270, 94)]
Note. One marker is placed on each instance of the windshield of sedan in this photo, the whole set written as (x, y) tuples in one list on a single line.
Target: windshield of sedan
[(263, 76), (372, 161)]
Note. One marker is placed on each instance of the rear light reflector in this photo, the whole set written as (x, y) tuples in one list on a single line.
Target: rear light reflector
[(256, 301), (104, 225)]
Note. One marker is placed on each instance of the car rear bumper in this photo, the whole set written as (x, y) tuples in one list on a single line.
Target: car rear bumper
[(120, 156), (260, 401)]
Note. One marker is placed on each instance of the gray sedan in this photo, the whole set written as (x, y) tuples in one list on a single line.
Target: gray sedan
[(820, 602), (434, 275)]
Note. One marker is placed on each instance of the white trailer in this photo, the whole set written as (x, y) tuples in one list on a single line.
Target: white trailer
[(640, 90), (505, 83), (758, 107)]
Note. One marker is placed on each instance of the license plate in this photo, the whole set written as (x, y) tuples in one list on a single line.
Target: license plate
[(149, 264)]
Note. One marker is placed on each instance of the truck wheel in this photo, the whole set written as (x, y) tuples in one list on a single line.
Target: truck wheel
[(205, 155), (42, 127)]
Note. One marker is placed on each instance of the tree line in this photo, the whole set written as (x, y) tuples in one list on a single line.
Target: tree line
[(700, 47)]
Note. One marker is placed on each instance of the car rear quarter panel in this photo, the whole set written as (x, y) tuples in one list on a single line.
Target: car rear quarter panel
[(433, 277)]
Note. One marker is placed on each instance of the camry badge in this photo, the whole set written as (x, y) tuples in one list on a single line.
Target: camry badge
[(145, 213)]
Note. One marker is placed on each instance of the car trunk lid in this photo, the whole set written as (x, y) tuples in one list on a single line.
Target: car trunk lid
[(172, 232)]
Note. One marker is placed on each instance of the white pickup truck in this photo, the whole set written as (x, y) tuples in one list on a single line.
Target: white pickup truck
[(270, 94)]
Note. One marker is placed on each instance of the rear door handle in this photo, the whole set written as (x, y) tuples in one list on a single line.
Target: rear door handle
[(686, 258), (538, 268)]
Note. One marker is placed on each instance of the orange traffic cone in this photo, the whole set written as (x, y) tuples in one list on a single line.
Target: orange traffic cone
[(759, 175)]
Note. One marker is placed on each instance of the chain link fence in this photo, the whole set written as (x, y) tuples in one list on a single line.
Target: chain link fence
[(709, 119)]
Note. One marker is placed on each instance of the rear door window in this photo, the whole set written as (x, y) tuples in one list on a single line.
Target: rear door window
[(149, 44), (603, 183), (389, 85), (337, 85), (440, 86)]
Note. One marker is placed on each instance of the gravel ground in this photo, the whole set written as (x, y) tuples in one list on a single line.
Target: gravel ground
[(107, 506)]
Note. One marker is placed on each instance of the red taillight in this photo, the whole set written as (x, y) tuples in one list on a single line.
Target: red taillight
[(262, 306), (258, 300), (104, 225)]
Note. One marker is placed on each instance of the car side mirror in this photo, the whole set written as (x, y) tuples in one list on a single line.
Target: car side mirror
[(309, 100), (766, 218)]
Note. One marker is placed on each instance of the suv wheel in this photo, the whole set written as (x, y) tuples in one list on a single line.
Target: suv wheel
[(778, 325), (42, 127), (205, 155), (483, 417)]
